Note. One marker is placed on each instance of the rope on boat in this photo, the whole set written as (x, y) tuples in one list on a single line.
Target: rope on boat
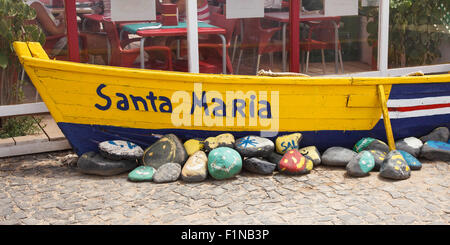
[(280, 74), (415, 74)]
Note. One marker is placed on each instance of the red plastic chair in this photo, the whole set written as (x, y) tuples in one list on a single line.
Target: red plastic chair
[(127, 57), (255, 36), (211, 49), (321, 36)]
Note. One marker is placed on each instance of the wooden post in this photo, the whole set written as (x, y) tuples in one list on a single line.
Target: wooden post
[(294, 16), (386, 120), (72, 30)]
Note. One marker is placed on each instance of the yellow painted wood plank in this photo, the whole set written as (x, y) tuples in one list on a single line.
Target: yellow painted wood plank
[(37, 51)]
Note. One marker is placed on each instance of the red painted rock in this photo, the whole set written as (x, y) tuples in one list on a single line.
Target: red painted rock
[(293, 162)]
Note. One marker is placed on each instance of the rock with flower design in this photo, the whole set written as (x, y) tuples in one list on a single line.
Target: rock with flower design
[(221, 140), (258, 166), (370, 144), (196, 167), (379, 157), (412, 162), (361, 164), (395, 167), (224, 163), (254, 146), (120, 149), (436, 151), (288, 142), (141, 173), (313, 153), (293, 162)]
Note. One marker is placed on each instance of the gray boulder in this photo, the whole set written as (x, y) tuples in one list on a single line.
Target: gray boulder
[(438, 134), (436, 151), (412, 145), (337, 156), (168, 172), (258, 166)]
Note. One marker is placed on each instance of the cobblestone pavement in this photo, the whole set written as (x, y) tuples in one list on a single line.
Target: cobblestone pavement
[(40, 189)]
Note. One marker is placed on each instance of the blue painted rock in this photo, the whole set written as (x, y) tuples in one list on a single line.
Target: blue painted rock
[(224, 163), (361, 165), (196, 168), (141, 173), (254, 146), (370, 144), (337, 156), (288, 142), (192, 146), (412, 162), (395, 167), (94, 163), (436, 151), (167, 149), (438, 134), (412, 145), (294, 163), (258, 166), (313, 153), (120, 149), (379, 157), (222, 140), (168, 172)]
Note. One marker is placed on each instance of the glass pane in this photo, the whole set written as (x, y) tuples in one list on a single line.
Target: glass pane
[(419, 33)]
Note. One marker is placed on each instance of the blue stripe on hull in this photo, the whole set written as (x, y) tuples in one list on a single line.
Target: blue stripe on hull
[(85, 138), (416, 91)]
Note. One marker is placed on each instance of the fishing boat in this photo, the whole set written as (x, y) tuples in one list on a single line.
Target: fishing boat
[(94, 103)]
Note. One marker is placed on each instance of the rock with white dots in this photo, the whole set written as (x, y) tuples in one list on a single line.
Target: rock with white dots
[(361, 165), (395, 167), (224, 163), (168, 172), (120, 149), (254, 146), (337, 156), (167, 149), (412, 145)]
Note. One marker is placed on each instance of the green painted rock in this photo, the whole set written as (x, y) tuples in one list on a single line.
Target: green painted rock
[(141, 173), (224, 162), (192, 146), (221, 140), (395, 167), (370, 144), (94, 163), (379, 157), (196, 167), (313, 153), (167, 149), (361, 165), (120, 149), (288, 142)]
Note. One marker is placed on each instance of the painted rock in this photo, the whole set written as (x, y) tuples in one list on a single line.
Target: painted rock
[(167, 149), (222, 140), (313, 153), (361, 165), (337, 156), (379, 157), (196, 167), (168, 172), (288, 142), (224, 163), (412, 162), (254, 146), (436, 151), (370, 144), (258, 166), (438, 134), (141, 173), (412, 145), (294, 163), (120, 149), (192, 146), (94, 163), (395, 167)]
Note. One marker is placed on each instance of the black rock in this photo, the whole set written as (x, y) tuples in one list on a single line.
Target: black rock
[(337, 156), (274, 158), (438, 134), (411, 145), (259, 166), (94, 163), (167, 149), (395, 167), (254, 146), (436, 151), (379, 157)]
